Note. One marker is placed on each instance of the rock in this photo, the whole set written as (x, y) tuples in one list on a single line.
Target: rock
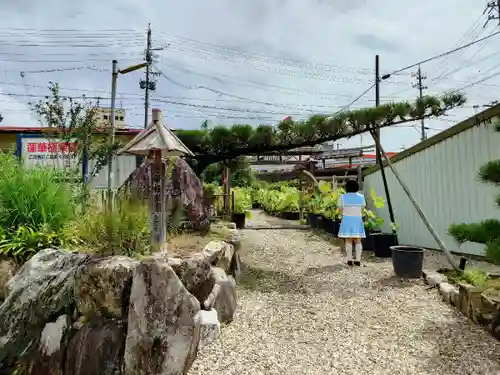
[(196, 275), (102, 287), (8, 269), (446, 290), (213, 251), (455, 298), (41, 289), (225, 303), (226, 257), (219, 253), (470, 300), (49, 357), (434, 278), (235, 268), (209, 327), (97, 348), (163, 322)]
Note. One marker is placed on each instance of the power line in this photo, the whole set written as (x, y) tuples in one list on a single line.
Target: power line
[(445, 53)]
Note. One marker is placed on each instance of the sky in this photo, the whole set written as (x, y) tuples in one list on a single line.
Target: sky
[(250, 62)]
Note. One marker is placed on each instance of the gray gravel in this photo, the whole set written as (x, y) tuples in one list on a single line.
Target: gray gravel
[(302, 312)]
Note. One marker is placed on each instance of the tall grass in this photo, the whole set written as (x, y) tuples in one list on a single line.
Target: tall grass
[(123, 231), (33, 196)]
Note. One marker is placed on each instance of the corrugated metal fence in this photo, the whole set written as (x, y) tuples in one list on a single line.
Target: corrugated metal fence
[(443, 180)]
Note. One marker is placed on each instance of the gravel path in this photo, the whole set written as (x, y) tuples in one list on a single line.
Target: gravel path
[(302, 312)]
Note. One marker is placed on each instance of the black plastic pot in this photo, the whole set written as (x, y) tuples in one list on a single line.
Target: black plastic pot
[(320, 224), (407, 261), (383, 243), (315, 221), (336, 227), (290, 215), (239, 220), (255, 205), (369, 242), (328, 225)]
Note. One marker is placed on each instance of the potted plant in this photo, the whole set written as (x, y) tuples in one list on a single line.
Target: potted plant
[(373, 224), (384, 241), (242, 206), (289, 203)]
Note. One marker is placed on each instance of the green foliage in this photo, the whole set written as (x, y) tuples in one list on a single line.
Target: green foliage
[(24, 242), (474, 277), (240, 172), (487, 231), (242, 200), (221, 143), (72, 121), (33, 196), (278, 197), (35, 204), (123, 231)]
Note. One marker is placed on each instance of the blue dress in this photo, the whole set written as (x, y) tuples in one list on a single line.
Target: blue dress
[(352, 225)]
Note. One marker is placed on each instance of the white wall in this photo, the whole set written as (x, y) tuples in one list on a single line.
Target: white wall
[(123, 166), (443, 180)]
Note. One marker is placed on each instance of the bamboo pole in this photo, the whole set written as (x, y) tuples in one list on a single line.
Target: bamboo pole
[(421, 213)]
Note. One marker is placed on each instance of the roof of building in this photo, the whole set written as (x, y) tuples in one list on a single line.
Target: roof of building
[(478, 118), (36, 130)]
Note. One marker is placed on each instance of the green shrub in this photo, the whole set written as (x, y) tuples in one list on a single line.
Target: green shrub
[(24, 242), (32, 197), (123, 231)]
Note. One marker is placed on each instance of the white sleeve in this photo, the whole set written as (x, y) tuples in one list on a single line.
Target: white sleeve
[(340, 202)]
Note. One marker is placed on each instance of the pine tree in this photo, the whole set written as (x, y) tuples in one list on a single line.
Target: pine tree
[(487, 231)]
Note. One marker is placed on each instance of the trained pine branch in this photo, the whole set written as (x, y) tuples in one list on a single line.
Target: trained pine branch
[(223, 143)]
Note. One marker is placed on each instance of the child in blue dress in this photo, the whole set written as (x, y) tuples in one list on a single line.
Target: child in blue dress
[(352, 228)]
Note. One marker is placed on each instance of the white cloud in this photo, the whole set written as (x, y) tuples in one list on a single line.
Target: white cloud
[(343, 34)]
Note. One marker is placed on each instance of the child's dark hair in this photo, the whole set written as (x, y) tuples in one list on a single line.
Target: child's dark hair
[(351, 186)]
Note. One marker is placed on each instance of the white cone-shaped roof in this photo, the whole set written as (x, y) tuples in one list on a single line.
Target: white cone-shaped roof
[(156, 137)]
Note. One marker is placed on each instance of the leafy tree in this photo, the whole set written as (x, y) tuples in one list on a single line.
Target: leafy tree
[(487, 231), (222, 143), (75, 121), (240, 172)]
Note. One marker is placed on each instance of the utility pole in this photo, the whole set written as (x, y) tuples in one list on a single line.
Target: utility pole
[(419, 85), (111, 137), (146, 83), (377, 103), (493, 11)]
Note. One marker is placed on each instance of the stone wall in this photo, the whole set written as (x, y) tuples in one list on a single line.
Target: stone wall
[(68, 313), (472, 301)]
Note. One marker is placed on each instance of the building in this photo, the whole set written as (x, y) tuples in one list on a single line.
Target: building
[(441, 173)]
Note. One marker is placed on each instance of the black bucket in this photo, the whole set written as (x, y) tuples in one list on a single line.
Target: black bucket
[(382, 244), (239, 220), (408, 261)]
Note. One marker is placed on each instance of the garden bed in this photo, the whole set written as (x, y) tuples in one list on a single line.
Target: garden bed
[(474, 292)]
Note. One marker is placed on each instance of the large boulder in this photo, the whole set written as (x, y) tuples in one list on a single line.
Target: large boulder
[(163, 322), (196, 274), (48, 359), (225, 302), (97, 348), (8, 269), (102, 287), (42, 289), (184, 185)]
